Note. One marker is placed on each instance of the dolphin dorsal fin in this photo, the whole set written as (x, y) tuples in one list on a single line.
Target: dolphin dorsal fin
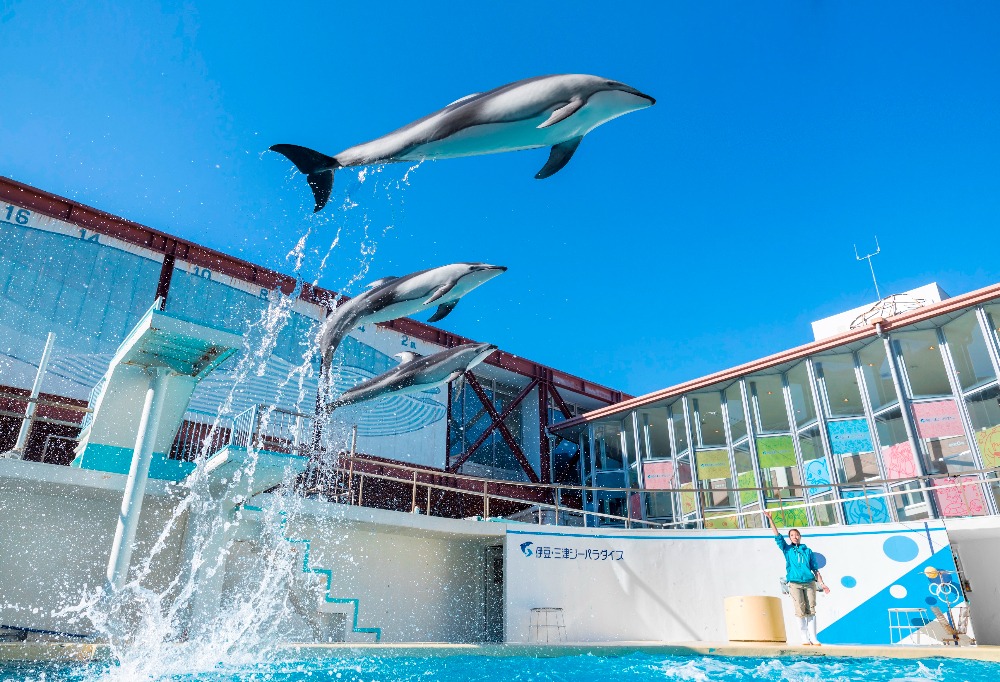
[(462, 99), (380, 282), (407, 356)]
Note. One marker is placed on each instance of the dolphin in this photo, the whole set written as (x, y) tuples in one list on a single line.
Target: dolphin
[(417, 373), (545, 111), (390, 298)]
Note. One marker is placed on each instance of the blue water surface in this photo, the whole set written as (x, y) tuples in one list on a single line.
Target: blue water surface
[(632, 668)]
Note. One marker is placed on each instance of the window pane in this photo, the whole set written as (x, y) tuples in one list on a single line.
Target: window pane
[(865, 506), (707, 409), (680, 429), (770, 403), (657, 432), (608, 440), (737, 419), (715, 476), (802, 401), (939, 430), (878, 377), (776, 455), (922, 363), (853, 451), (744, 474), (840, 384), (910, 502), (984, 411), (629, 444), (814, 462), (897, 455), (825, 514), (968, 351)]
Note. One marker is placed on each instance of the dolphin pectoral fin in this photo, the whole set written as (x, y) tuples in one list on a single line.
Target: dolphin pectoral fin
[(318, 169), (563, 112), (441, 291), (443, 310), (559, 156)]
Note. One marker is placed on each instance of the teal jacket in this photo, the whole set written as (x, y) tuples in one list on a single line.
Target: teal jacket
[(800, 562)]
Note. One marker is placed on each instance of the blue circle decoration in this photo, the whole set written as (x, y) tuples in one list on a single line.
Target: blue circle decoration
[(930, 600), (820, 560), (900, 548), (848, 581)]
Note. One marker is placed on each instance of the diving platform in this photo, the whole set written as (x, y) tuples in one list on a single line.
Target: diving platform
[(164, 354)]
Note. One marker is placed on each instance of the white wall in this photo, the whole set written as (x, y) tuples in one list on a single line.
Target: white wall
[(56, 528), (977, 544), (671, 586), (419, 582)]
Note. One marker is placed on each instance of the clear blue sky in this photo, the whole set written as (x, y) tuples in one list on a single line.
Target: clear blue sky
[(683, 239)]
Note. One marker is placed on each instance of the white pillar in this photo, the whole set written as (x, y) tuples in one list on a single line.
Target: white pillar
[(29, 414), (135, 486)]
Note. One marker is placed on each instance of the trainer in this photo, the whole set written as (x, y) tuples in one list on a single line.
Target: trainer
[(802, 575)]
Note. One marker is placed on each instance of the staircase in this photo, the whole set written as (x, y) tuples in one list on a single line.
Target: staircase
[(329, 604)]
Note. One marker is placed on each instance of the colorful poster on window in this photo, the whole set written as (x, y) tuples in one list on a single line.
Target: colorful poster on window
[(712, 464), (862, 508), (747, 480), (775, 452), (788, 518), (989, 446), (849, 436), (937, 419), (658, 475), (960, 497), (688, 504), (817, 472), (899, 461), (722, 521)]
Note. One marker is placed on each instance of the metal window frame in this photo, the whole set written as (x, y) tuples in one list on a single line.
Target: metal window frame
[(824, 435), (963, 412)]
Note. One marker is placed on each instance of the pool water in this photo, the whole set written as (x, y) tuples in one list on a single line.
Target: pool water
[(632, 668)]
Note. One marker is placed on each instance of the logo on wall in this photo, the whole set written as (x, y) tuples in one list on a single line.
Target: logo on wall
[(526, 548)]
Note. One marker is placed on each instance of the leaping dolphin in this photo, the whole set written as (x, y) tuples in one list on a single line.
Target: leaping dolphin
[(545, 111), (390, 298), (417, 373)]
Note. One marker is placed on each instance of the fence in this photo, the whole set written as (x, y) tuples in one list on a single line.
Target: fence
[(351, 473)]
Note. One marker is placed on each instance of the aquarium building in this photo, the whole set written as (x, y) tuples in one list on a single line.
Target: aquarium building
[(891, 414)]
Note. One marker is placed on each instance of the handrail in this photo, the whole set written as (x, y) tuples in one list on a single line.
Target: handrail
[(627, 521), (568, 486)]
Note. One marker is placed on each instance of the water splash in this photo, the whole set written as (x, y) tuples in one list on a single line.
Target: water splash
[(172, 631)]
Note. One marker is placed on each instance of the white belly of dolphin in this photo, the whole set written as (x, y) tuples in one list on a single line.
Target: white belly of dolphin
[(494, 138)]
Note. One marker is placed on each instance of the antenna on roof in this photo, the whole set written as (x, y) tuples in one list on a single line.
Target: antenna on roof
[(869, 259)]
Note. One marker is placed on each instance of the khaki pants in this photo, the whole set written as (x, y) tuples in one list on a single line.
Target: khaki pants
[(804, 597)]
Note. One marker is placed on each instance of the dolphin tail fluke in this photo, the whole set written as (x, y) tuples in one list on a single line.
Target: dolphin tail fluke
[(559, 156), (318, 169)]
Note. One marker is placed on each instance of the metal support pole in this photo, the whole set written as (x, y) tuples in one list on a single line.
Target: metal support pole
[(413, 498), (135, 486), (486, 500), (361, 491), (29, 413)]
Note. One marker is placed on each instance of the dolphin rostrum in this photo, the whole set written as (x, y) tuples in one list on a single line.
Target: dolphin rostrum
[(545, 111), (393, 297), (417, 373)]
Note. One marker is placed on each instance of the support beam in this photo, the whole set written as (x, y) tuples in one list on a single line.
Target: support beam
[(135, 486), (498, 423), (544, 453), (461, 459)]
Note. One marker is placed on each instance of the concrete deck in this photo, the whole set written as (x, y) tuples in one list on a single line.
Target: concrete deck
[(11, 652)]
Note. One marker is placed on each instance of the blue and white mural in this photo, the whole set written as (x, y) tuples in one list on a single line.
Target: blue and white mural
[(91, 289), (672, 586)]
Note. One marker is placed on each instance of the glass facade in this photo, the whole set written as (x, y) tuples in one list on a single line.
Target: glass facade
[(850, 435)]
